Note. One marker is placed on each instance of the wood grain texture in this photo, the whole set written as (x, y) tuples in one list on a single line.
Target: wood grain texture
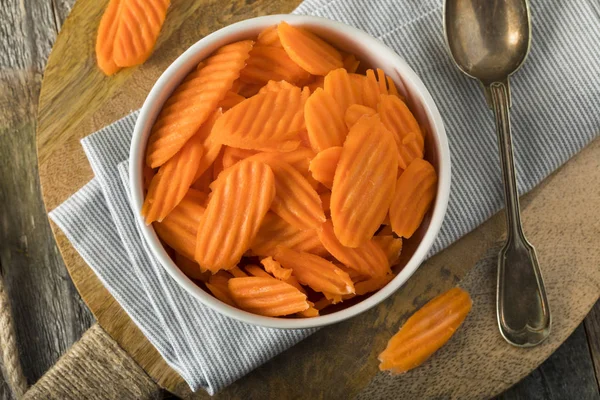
[(477, 363), (48, 312)]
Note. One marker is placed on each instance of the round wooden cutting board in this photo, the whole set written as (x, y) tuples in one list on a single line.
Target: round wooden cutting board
[(338, 361)]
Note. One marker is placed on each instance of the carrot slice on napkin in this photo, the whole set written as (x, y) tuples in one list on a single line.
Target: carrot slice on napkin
[(296, 201), (267, 296), (316, 272), (271, 63), (324, 121), (140, 22), (309, 51), (180, 227), (323, 166), (105, 40), (355, 112), (364, 182), (338, 85), (274, 268), (172, 181), (235, 211), (275, 231), (269, 120), (415, 191), (391, 246), (367, 259), (426, 331), (192, 103), (218, 286)]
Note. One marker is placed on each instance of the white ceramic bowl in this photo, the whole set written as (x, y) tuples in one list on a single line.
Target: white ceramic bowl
[(369, 50)]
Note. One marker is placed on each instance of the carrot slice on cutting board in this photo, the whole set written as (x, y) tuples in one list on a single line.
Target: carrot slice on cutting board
[(192, 103), (309, 51), (140, 22), (364, 182), (235, 211), (105, 40), (267, 296), (318, 273), (324, 121), (415, 191), (426, 331)]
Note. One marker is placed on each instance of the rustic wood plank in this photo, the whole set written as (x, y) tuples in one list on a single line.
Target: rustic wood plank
[(592, 329), (49, 314), (567, 374)]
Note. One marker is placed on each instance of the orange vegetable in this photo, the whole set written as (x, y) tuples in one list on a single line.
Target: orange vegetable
[(230, 100), (269, 37), (275, 269), (367, 259), (267, 296), (351, 63), (397, 117), (172, 181), (392, 87), (338, 85), (324, 121), (231, 155), (191, 268), (322, 303), (269, 120), (295, 200), (364, 182), (326, 200), (271, 63), (180, 227), (308, 50), (236, 208), (255, 270), (391, 246), (323, 166), (275, 231), (237, 272), (192, 103), (426, 331), (218, 286), (202, 183), (372, 284), (310, 312), (211, 146), (355, 112), (415, 191), (139, 24), (410, 148), (294, 282), (105, 40), (370, 90), (147, 174), (317, 82), (275, 86), (316, 272)]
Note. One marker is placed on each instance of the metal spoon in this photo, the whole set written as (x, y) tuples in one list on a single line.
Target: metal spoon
[(489, 40)]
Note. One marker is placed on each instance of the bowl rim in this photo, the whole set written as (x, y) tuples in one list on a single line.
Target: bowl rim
[(183, 64)]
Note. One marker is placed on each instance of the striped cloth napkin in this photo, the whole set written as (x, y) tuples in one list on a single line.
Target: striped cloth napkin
[(554, 115)]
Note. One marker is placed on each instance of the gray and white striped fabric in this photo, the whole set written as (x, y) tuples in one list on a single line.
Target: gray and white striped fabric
[(555, 114)]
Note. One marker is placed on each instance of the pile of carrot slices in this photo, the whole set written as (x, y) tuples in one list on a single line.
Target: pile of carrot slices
[(128, 32), (283, 180)]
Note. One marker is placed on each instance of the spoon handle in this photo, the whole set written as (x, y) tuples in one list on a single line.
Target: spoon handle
[(522, 306)]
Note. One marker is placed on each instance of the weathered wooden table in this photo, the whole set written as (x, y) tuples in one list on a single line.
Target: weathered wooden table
[(48, 311)]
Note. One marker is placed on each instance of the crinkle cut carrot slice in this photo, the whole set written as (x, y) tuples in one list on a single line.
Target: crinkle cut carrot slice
[(415, 191), (309, 51), (372, 284), (105, 40), (147, 174), (230, 100), (269, 120), (317, 82), (296, 201), (218, 286), (275, 86), (351, 63), (235, 211), (391, 246), (211, 146), (370, 90), (338, 85), (322, 303), (397, 117), (310, 312), (323, 166), (255, 270), (382, 81), (237, 272), (269, 37), (172, 181), (275, 231), (325, 200), (179, 228), (275, 268), (410, 148), (426, 331), (140, 22), (355, 112), (324, 121), (232, 155), (267, 296), (271, 63), (191, 268), (392, 89), (192, 103), (364, 182), (202, 183), (316, 272), (368, 259)]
